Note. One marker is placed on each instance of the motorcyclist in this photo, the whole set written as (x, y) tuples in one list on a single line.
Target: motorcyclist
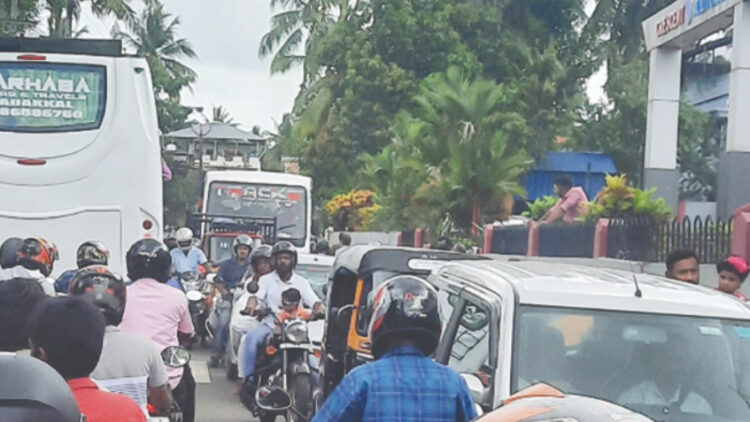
[(37, 256), (159, 312), (9, 259), (403, 383), (270, 289), (230, 275), (32, 391), (89, 253), (260, 265), (186, 257), (68, 335), (129, 364), (542, 402)]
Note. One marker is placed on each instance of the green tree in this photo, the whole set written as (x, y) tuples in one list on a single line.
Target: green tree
[(221, 115), (153, 34), (17, 17), (63, 14)]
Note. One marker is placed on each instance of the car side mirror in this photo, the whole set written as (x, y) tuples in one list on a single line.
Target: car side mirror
[(476, 387)]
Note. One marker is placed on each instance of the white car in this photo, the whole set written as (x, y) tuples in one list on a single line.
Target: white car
[(670, 350), (314, 268)]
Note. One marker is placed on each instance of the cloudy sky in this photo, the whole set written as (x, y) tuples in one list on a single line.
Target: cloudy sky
[(226, 34)]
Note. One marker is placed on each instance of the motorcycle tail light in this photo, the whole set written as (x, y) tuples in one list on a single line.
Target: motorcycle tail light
[(270, 350)]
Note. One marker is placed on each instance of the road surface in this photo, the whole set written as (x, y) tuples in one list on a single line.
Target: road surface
[(215, 395)]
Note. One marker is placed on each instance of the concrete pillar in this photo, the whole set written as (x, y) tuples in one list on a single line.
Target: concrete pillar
[(734, 165), (532, 248), (489, 231), (417, 238), (601, 235), (660, 164)]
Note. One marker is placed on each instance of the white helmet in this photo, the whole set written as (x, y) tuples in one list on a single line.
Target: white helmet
[(184, 238)]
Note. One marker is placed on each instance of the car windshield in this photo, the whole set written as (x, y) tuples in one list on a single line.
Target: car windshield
[(316, 274), (671, 368), (286, 203)]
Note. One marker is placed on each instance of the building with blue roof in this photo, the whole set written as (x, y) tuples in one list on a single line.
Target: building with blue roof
[(588, 170)]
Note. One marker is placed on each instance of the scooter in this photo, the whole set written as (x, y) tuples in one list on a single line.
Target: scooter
[(286, 383), (199, 292)]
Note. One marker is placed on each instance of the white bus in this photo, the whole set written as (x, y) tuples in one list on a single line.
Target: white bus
[(260, 194), (80, 157)]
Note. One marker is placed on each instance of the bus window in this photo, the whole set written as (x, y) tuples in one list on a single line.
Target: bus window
[(287, 203), (51, 97)]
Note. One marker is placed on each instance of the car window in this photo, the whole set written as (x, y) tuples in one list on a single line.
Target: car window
[(470, 349)]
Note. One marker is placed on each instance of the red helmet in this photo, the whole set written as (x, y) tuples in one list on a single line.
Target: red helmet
[(38, 253)]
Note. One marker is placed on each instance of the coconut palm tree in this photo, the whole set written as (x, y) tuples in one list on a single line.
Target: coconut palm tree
[(221, 115), (64, 13), (297, 31), (153, 35)]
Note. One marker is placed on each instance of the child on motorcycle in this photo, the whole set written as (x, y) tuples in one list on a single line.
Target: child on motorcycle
[(290, 306)]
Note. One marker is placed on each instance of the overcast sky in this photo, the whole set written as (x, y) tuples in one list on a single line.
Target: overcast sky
[(225, 35)]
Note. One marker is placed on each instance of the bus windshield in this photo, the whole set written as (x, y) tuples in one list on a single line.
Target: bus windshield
[(287, 203), (51, 97)]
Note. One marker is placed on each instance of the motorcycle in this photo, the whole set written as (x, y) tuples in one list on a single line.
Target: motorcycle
[(201, 300), (239, 324), (285, 381)]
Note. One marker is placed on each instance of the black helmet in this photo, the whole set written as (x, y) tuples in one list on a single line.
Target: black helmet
[(149, 258), (262, 251), (243, 240), (101, 288), (284, 246), (322, 247), (407, 307), (30, 390), (92, 253), (9, 252)]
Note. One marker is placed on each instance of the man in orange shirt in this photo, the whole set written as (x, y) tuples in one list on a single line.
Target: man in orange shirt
[(68, 334)]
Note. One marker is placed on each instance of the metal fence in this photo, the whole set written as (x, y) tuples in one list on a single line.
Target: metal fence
[(513, 240), (642, 239), (567, 240)]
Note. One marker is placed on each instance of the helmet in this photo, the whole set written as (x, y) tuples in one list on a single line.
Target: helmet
[(405, 306), (184, 238), (262, 251), (541, 402), (101, 288), (9, 252), (30, 390), (148, 258), (37, 253), (322, 247), (243, 240), (92, 253), (284, 246)]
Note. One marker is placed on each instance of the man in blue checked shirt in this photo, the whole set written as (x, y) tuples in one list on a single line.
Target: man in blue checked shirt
[(403, 384)]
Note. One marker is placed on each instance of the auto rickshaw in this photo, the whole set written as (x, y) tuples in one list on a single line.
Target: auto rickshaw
[(356, 273)]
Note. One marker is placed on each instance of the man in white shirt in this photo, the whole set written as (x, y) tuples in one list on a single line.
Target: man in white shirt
[(270, 288), (667, 385)]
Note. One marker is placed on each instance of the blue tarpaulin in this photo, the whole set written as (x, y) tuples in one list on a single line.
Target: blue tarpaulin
[(586, 168)]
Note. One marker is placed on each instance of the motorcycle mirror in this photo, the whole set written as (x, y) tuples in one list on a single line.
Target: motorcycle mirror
[(252, 288), (175, 357), (273, 399), (194, 296)]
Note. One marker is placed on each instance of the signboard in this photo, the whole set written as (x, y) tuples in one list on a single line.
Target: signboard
[(685, 21), (51, 97)]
